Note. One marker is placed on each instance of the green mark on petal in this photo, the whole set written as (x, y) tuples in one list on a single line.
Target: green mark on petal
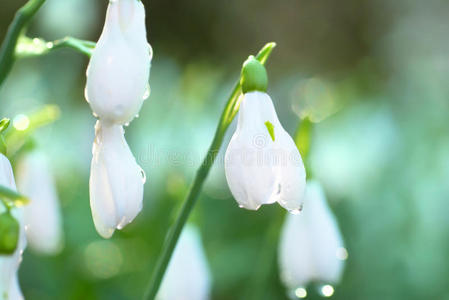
[(270, 128)]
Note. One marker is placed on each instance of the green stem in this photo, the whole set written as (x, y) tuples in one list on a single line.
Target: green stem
[(226, 118), (28, 47), (7, 50)]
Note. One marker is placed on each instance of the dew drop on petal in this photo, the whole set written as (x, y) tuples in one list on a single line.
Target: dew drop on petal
[(342, 253), (147, 92), (144, 176)]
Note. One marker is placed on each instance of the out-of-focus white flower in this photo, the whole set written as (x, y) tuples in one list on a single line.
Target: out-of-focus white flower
[(118, 72), (117, 85), (9, 264), (188, 276), (262, 163), (43, 214), (116, 182), (311, 247)]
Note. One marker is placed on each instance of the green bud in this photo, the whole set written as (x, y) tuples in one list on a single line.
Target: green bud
[(9, 233), (254, 76)]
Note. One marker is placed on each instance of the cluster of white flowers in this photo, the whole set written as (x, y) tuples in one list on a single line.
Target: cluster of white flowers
[(262, 166)]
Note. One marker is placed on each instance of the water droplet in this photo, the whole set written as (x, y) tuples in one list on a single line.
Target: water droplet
[(301, 292), (327, 290), (342, 253), (241, 206), (126, 124), (147, 92), (136, 116), (296, 211), (144, 176), (94, 114)]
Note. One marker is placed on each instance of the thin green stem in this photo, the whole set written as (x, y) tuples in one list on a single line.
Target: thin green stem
[(7, 50), (14, 198), (226, 118), (28, 47)]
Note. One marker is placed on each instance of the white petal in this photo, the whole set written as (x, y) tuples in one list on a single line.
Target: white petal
[(43, 214), (188, 276), (118, 72), (116, 183), (9, 264), (260, 170), (311, 243)]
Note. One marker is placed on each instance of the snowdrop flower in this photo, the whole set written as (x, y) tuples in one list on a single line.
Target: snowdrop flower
[(9, 264), (188, 276), (116, 185), (117, 85), (262, 162), (43, 214), (311, 246)]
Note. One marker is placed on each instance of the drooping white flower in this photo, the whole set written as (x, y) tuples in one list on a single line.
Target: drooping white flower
[(9, 264), (42, 215), (188, 276), (262, 162), (311, 247), (116, 183), (118, 72), (117, 84)]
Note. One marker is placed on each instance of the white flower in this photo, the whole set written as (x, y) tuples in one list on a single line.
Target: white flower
[(188, 276), (9, 264), (118, 72), (116, 183), (43, 214), (117, 85), (311, 246), (262, 163)]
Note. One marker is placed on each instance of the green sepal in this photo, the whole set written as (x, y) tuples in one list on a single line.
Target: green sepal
[(254, 76), (9, 233)]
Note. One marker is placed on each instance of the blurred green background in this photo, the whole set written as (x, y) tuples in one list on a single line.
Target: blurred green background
[(373, 74)]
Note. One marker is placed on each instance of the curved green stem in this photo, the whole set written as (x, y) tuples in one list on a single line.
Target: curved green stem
[(7, 50), (226, 118), (28, 47)]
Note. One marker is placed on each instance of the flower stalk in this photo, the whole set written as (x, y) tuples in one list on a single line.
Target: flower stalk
[(7, 50), (226, 118)]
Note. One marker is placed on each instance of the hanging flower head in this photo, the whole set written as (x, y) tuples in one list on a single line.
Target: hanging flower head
[(311, 247), (118, 72), (43, 214), (9, 263), (188, 275), (117, 85), (262, 163)]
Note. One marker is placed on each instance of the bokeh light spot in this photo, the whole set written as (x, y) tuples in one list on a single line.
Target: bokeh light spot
[(103, 259), (21, 122)]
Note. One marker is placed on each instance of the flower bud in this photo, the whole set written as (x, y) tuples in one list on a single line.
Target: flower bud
[(311, 246), (43, 214), (254, 76), (119, 70), (188, 275)]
